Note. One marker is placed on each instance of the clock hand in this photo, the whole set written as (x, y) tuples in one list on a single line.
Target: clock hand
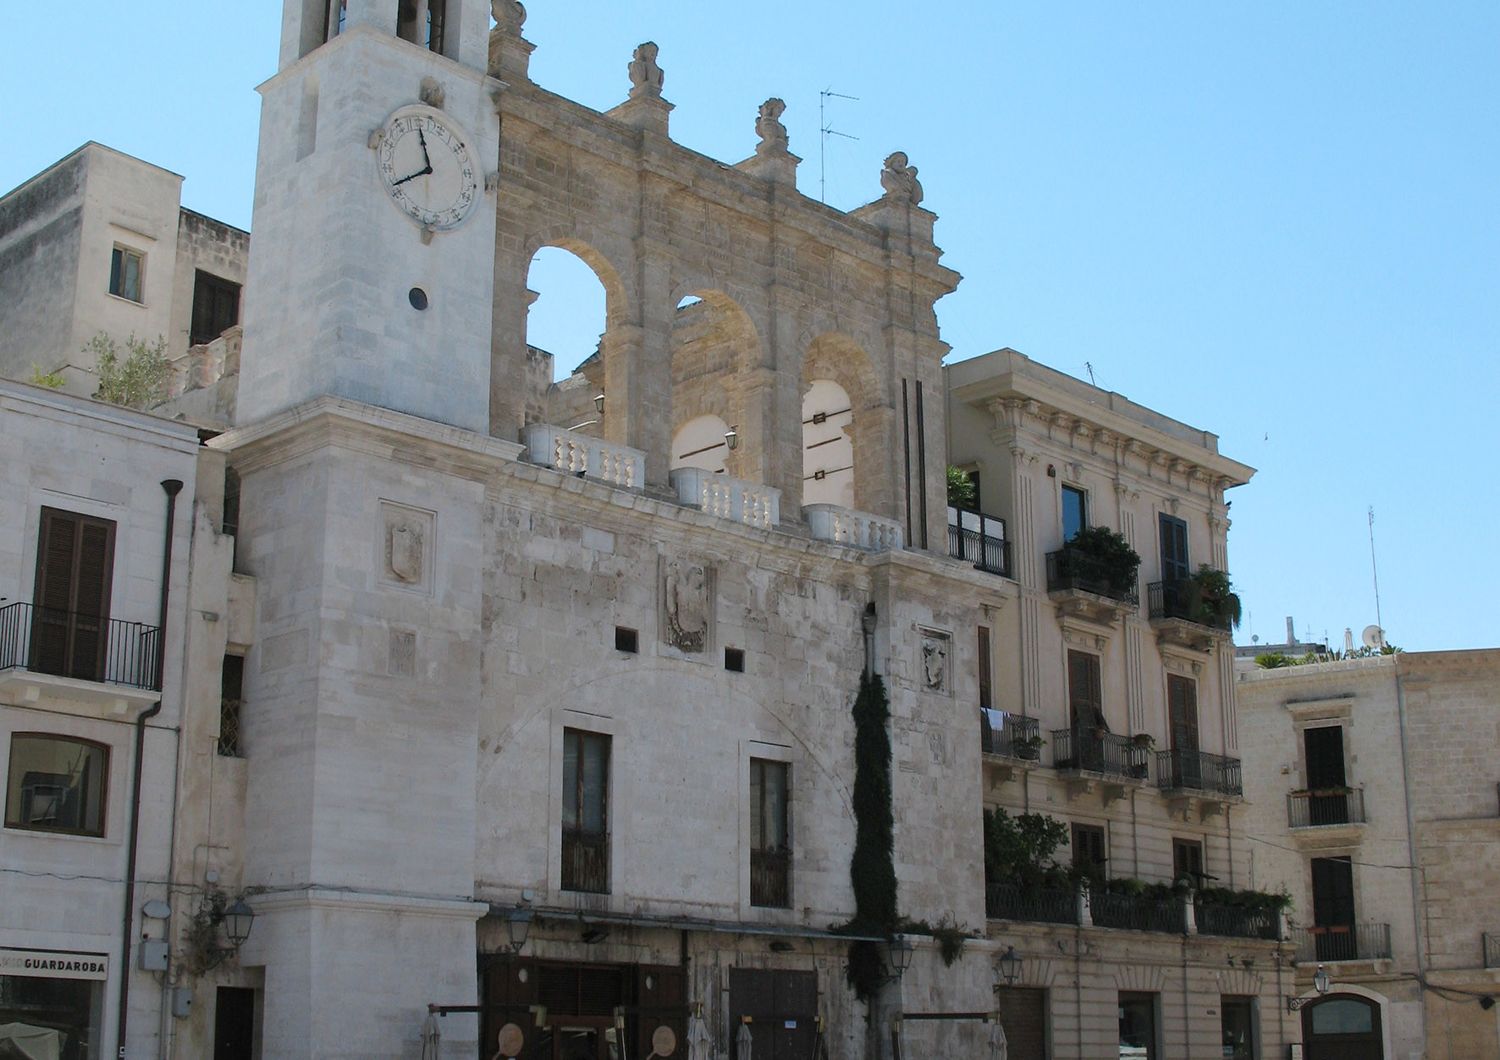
[(419, 173), (426, 159)]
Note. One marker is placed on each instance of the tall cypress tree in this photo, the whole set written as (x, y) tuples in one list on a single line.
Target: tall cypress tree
[(872, 869)]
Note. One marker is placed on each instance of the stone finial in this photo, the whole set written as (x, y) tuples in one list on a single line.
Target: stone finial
[(646, 77), (768, 127), (509, 16), (900, 180)]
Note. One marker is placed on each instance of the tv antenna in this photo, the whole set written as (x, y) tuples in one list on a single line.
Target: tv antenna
[(824, 132), (1089, 367), (1375, 572)]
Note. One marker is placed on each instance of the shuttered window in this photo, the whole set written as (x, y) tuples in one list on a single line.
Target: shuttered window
[(1085, 692), (70, 619)]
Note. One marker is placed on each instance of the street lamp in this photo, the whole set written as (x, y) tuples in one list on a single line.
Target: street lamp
[(238, 919), (518, 925), (732, 439), (599, 401), (900, 957), (1320, 980), (1008, 966)]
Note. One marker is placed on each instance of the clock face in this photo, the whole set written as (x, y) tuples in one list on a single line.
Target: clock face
[(426, 168)]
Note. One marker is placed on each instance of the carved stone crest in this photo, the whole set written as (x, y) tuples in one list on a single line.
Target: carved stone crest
[(900, 179), (935, 648), (405, 545), (686, 604), (646, 78)]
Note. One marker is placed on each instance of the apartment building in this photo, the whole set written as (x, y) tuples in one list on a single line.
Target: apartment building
[(1378, 808)]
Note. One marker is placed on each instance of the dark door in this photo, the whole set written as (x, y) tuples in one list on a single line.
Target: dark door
[(1174, 549), (70, 607), (1341, 1027), (1333, 909), (234, 1023), (1327, 801), (1237, 1022), (1023, 1015), (783, 1011), (1086, 705), (1182, 721), (1138, 1027)]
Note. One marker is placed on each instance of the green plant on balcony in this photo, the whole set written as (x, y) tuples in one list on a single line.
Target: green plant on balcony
[(960, 488), (1211, 599), (1020, 849), (1028, 747), (1101, 554)]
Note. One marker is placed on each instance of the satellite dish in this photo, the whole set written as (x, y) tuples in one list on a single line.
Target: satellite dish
[(1373, 637)]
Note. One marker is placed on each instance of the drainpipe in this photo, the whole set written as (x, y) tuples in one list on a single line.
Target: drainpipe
[(1420, 937), (171, 487)]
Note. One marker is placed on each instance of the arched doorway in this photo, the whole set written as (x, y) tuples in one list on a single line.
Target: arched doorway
[(1342, 1027)]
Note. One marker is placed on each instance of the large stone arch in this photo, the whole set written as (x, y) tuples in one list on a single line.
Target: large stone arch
[(837, 357), (715, 349)]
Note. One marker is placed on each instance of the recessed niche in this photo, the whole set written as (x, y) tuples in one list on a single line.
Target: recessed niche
[(627, 640), (734, 660)]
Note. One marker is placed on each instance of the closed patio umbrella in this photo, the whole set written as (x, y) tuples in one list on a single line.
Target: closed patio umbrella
[(698, 1041), (999, 1047), (743, 1043)]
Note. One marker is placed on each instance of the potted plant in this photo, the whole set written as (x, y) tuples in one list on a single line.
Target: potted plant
[(1028, 747), (1211, 599), (1102, 555)]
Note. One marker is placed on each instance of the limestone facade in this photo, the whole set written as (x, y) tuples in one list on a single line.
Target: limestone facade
[(1415, 819)]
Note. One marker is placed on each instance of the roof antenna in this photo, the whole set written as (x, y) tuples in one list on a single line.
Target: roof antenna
[(1089, 367), (824, 132), (1374, 572)]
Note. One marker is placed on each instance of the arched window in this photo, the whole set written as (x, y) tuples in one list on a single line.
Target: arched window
[(827, 452), (1346, 1021)]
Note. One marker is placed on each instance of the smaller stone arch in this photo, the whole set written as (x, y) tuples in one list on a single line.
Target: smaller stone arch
[(834, 365), (700, 442), (617, 303), (713, 342)]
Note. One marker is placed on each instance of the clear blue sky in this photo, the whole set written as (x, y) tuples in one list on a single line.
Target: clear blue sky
[(1278, 221)]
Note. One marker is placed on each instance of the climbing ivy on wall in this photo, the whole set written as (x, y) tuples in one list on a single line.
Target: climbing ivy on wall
[(872, 869)]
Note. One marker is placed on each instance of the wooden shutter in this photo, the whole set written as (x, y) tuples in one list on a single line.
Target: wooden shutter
[(1174, 548), (1085, 695), (1325, 757), (1333, 892), (986, 700), (1182, 712), (75, 563)]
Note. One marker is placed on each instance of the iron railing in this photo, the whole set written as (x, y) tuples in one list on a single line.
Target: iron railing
[(585, 861), (980, 540), (1019, 737), (1344, 942), (1069, 568), (771, 878), (1491, 950), (1138, 912), (1315, 809), (1089, 751), (1038, 905), (1237, 922), (1175, 599), (86, 647), (1179, 770)]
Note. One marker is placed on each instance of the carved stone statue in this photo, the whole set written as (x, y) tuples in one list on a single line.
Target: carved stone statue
[(900, 179), (935, 663), (685, 594), (769, 128), (646, 78), (509, 16)]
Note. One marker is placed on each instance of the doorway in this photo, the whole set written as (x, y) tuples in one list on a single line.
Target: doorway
[(234, 1023), (1342, 1027)]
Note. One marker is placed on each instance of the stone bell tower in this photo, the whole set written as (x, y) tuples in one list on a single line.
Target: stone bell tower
[(371, 272)]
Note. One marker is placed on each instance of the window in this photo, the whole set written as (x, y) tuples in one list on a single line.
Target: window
[(1174, 548), (126, 267), (56, 784), (421, 22), (627, 640), (216, 306), (1237, 1021), (585, 817), (734, 660), (986, 692), (770, 842), (1138, 1027), (1187, 861), (231, 685), (70, 605), (1333, 909), (1182, 712), (1075, 512), (1085, 692), (1088, 849)]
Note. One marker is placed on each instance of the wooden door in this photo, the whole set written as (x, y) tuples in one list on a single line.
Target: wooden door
[(1174, 549), (70, 605), (234, 1023), (1333, 909), (783, 1009), (1342, 1027), (1023, 1015), (1327, 802)]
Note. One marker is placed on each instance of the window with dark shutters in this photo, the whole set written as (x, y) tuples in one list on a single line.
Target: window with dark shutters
[(70, 613), (216, 306), (1085, 693)]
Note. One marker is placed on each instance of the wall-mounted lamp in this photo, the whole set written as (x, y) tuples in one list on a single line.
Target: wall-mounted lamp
[(898, 959), (1321, 983), (732, 439), (599, 402), (518, 926), (235, 917), (1008, 966)]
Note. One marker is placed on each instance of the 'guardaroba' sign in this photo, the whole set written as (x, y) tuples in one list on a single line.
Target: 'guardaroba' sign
[(53, 964)]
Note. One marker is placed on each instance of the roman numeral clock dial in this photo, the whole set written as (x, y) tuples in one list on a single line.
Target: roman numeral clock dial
[(426, 168)]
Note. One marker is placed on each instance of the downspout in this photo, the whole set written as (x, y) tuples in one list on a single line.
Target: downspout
[(1419, 937), (171, 487)]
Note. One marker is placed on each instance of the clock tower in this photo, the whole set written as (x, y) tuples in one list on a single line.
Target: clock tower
[(372, 267)]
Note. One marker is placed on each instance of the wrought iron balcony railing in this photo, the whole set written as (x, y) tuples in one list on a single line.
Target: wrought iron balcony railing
[(1019, 737), (1070, 568), (1138, 912), (1178, 770), (1344, 942), (980, 540), (1089, 751), (585, 861), (1175, 599), (1039, 905), (1234, 921), (85, 647), (771, 878), (1330, 806)]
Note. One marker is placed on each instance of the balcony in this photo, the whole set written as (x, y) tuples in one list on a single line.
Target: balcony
[(1081, 585), (1344, 942), (1236, 922), (1328, 808), (728, 498), (1192, 772), (1090, 751), (70, 656), (980, 540), (1035, 905), (585, 861), (584, 455), (1179, 616), (771, 878), (1018, 736), (844, 526), (1138, 912)]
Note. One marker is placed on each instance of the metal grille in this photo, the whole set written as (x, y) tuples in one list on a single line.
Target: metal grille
[(1197, 771), (1043, 905), (1316, 809), (1018, 738), (1236, 922), (1089, 751), (1344, 942), (1137, 913), (770, 878)]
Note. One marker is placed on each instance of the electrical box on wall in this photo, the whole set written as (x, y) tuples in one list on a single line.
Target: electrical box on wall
[(182, 1002), (153, 955)]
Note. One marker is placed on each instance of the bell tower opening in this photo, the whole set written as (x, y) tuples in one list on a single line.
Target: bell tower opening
[(421, 22)]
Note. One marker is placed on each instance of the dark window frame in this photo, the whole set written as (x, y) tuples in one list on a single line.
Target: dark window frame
[(119, 275), (1182, 860), (986, 670), (762, 820), (1086, 836), (212, 296), (575, 804), (1083, 510), (102, 794)]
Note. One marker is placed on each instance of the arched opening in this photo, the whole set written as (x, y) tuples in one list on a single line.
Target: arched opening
[(827, 449), (566, 324), (1342, 1027), (700, 442)]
